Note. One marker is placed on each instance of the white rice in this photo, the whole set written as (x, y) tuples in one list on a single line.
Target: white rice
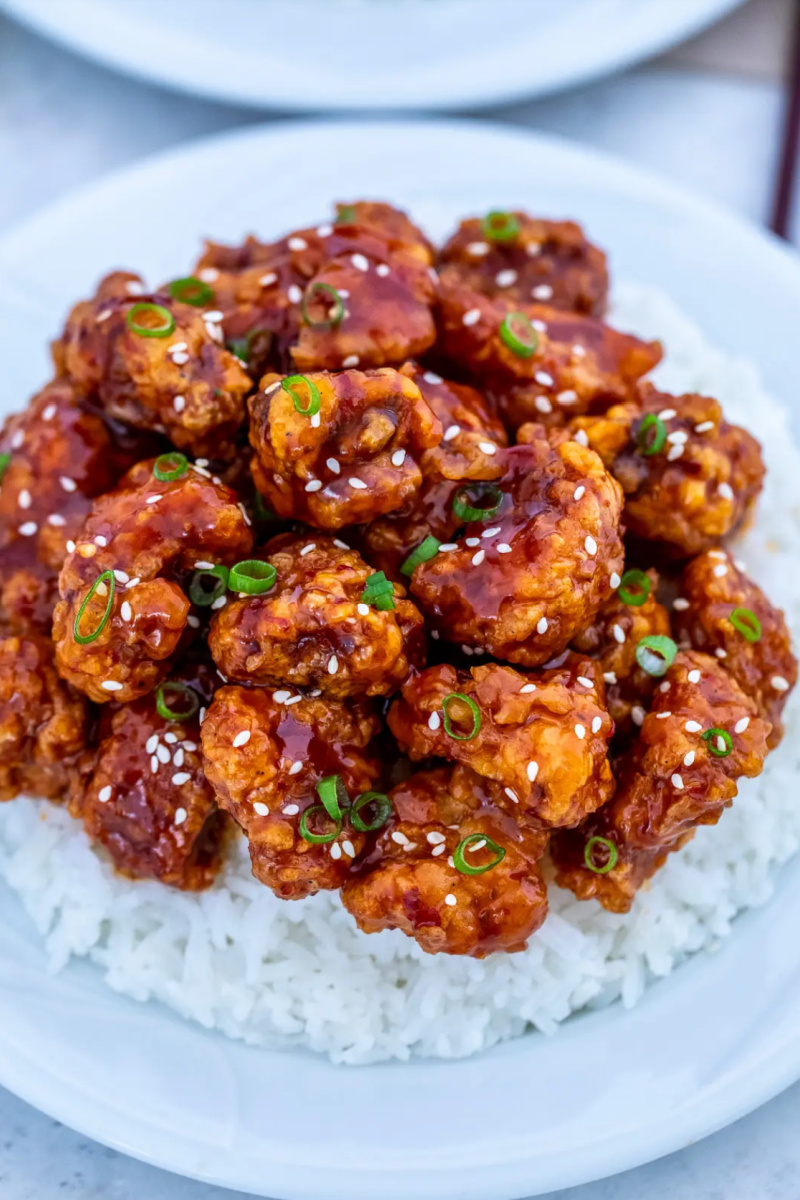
[(273, 973)]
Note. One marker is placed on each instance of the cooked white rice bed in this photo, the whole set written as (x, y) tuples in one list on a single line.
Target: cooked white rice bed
[(276, 973)]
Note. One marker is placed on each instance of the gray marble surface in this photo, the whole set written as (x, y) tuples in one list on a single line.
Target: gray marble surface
[(65, 122)]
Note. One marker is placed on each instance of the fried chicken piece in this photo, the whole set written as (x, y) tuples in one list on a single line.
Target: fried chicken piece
[(143, 794), (679, 773), (335, 450), (521, 582), (465, 455), (717, 601), (688, 476), (523, 258), (265, 753), (611, 640), (410, 880), (156, 364), (542, 736), (312, 628), (42, 720), (148, 534), (563, 364), (57, 455)]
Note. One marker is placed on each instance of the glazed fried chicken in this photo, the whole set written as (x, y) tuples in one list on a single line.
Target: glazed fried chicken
[(266, 754), (451, 869), (701, 735)]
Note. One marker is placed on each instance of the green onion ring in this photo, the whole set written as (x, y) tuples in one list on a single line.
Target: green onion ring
[(170, 466), (85, 639), (318, 839), (5, 460), (656, 654), (345, 214), (745, 622), (175, 714), (191, 290), (163, 330), (637, 580), (379, 592), (252, 576), (314, 400), (471, 512), (588, 855), (519, 335), (712, 736), (383, 810), (337, 313), (476, 717), (332, 792), (654, 445), (200, 595), (243, 347), (427, 549), (260, 509), (500, 226), (461, 864)]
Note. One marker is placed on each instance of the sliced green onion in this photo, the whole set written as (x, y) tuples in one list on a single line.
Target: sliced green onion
[(383, 810), (199, 594), (190, 701), (476, 716), (473, 512), (379, 592), (655, 444), (146, 309), (312, 407), (634, 588), (500, 226), (170, 466), (336, 315), (260, 510), (332, 793), (252, 576), (191, 290), (5, 459), (656, 654), (243, 347), (519, 335), (107, 577), (461, 864), (714, 737), (427, 549), (745, 621), (318, 839), (345, 214), (588, 855)]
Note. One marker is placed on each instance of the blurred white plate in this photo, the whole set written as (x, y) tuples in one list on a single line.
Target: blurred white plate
[(611, 1090), (348, 54)]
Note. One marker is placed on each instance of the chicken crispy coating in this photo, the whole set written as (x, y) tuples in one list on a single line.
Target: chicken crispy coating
[(143, 794), (336, 450), (612, 638), (542, 736), (523, 258), (720, 611), (312, 628), (54, 457), (540, 364), (411, 881), (155, 363), (143, 538), (521, 582), (688, 476), (701, 734), (265, 754), (466, 454), (42, 720)]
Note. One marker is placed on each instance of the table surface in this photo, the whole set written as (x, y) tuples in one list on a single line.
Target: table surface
[(65, 122)]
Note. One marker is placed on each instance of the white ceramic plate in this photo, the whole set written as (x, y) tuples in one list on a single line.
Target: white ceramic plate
[(348, 54), (610, 1090)]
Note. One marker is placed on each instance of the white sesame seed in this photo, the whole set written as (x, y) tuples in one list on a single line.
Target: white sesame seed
[(162, 754), (179, 403), (110, 685), (151, 743), (726, 491), (539, 325), (674, 453), (542, 292), (357, 483), (399, 837), (720, 570), (324, 231), (352, 360), (180, 778), (362, 610), (203, 565), (213, 315), (241, 739), (220, 602), (503, 548), (177, 758), (100, 541), (315, 421), (543, 405), (662, 716), (720, 653), (532, 770), (451, 432), (680, 604), (435, 634), (610, 676), (434, 721), (104, 795), (527, 688), (667, 414), (294, 294), (579, 492), (294, 700), (152, 499), (678, 437), (297, 243), (597, 724), (450, 900), (779, 683), (677, 782), (28, 529), (704, 427), (435, 838), (207, 274), (56, 519), (585, 681), (720, 554), (472, 317), (506, 278), (619, 634), (190, 747), (268, 279), (478, 558), (382, 269), (637, 714), (693, 676), (544, 379), (281, 696), (541, 625), (17, 439), (24, 498), (437, 850), (567, 397), (590, 544), (153, 764), (359, 262), (291, 810), (333, 465), (432, 377), (69, 485), (260, 809), (125, 611), (200, 469), (478, 249), (313, 485), (398, 458), (487, 448), (171, 738), (180, 358), (349, 848), (693, 727), (307, 549), (533, 249), (741, 725), (333, 665), (580, 731), (581, 437)]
